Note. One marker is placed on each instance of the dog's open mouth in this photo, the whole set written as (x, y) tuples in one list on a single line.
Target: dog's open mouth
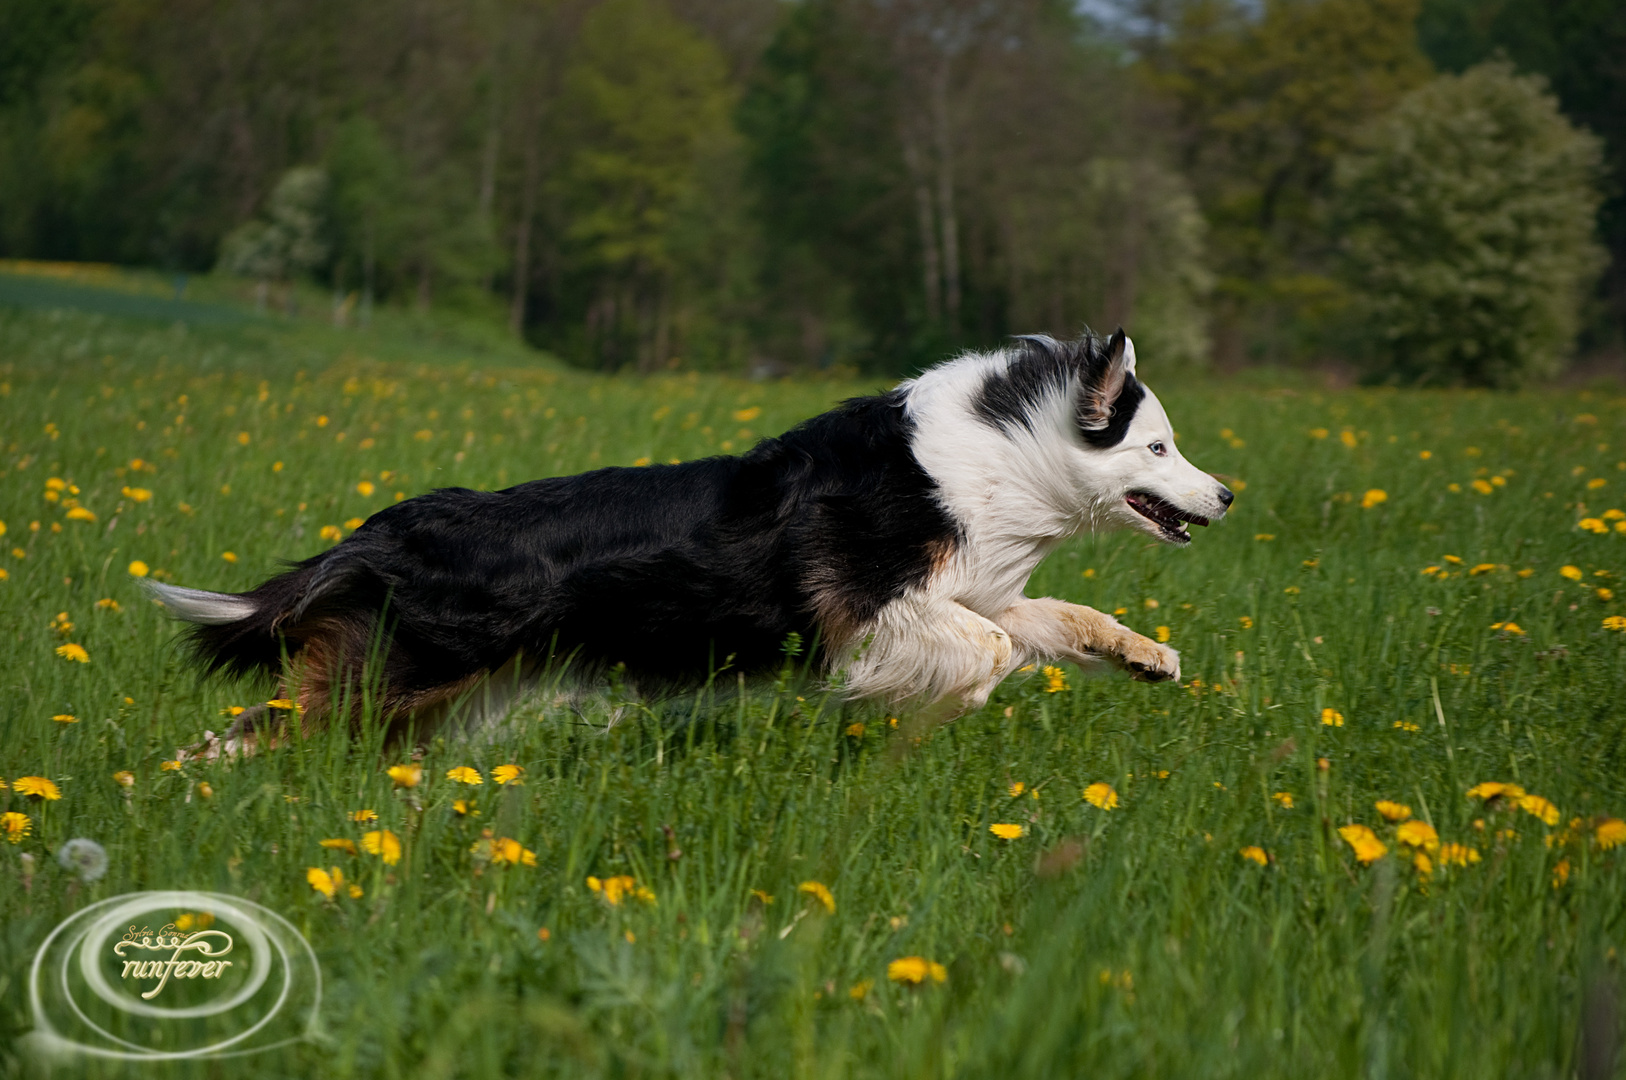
[(1170, 520)]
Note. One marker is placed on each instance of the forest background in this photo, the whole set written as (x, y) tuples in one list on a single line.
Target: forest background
[(770, 187)]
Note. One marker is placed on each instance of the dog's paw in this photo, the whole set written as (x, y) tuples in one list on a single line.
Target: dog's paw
[(1148, 661)]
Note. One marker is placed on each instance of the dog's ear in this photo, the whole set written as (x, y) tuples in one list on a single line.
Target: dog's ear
[(1101, 392)]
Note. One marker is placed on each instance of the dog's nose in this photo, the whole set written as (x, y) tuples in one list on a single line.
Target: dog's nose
[(1226, 497)]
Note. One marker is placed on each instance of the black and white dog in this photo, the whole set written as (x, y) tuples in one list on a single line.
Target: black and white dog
[(896, 533)]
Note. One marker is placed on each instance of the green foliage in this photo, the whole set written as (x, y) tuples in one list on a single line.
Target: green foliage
[(1120, 943), (1577, 46), (645, 99), (1469, 214), (291, 238), (1265, 105)]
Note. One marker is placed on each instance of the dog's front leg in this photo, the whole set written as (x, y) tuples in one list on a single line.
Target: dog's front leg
[(1047, 628), (924, 650)]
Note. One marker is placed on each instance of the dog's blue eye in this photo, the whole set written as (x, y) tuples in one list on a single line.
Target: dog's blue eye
[(1158, 449)]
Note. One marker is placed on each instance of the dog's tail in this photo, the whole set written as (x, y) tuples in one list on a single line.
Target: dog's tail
[(245, 633)]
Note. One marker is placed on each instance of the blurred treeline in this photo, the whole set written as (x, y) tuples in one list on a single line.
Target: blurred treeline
[(766, 185)]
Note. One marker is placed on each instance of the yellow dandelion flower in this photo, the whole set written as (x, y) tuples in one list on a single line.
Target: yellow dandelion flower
[(285, 704), (614, 889), (73, 652), (364, 488), (1163, 634), (1491, 789), (1614, 622), (16, 826), (745, 416), (1611, 832), (1418, 834), (510, 851), (1536, 806), (1507, 627), (1481, 568), (229, 556), (1246, 621), (818, 892), (1016, 789), (65, 718), (1423, 864), (1101, 795), (764, 897), (1484, 487), (137, 568), (1457, 855), (1595, 483), (1347, 437), (1574, 573), (1255, 854), (855, 730), (1332, 718), (324, 882), (171, 766), (1055, 679), (1007, 831), (80, 513), (507, 774), (1561, 873), (340, 843), (1368, 848), (860, 990), (363, 816), (1373, 497), (1285, 798), (1589, 524), (37, 787), (463, 774), (1393, 811), (124, 778), (330, 532), (1264, 536), (915, 970), (1319, 433), (107, 603), (404, 775), (383, 843), (354, 523), (464, 808)]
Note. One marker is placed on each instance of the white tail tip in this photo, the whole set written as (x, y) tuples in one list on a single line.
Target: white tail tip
[(198, 606)]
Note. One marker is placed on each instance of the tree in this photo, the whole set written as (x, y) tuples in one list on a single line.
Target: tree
[(1469, 218), (289, 239), (643, 96), (1265, 99)]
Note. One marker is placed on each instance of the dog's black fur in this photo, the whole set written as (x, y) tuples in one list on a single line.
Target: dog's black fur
[(667, 569)]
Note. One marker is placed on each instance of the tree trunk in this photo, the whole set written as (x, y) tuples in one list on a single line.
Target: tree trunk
[(945, 198), (931, 274), (522, 244)]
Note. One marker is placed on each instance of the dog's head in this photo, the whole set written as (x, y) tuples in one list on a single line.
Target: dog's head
[(1130, 469), (1121, 462)]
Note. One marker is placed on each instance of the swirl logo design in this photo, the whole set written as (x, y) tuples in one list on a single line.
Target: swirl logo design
[(165, 976)]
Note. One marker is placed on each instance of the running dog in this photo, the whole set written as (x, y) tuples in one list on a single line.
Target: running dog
[(895, 534)]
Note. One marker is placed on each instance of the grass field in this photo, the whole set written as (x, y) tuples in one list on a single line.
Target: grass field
[(1204, 915)]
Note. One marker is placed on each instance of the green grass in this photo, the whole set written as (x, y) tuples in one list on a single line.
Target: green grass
[(1129, 942)]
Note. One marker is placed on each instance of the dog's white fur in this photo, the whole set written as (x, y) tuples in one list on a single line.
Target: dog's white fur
[(1016, 495)]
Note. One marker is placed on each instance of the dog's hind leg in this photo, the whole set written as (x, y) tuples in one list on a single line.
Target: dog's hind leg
[(929, 650), (1046, 629)]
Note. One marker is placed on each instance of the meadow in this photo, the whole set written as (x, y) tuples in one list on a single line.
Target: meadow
[(1414, 596)]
